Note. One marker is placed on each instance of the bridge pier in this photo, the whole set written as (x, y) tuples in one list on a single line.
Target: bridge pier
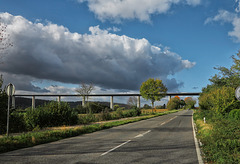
[(33, 102), (111, 102), (169, 98), (138, 102), (83, 100), (59, 99)]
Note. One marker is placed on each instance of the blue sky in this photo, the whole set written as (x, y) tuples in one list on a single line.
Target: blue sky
[(117, 45)]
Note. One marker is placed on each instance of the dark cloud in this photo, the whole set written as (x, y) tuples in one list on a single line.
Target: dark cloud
[(195, 88), (21, 82), (108, 60)]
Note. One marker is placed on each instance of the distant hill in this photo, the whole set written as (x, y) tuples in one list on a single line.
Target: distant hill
[(23, 103)]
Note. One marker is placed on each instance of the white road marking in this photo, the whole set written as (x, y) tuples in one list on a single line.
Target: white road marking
[(141, 135), (168, 121), (200, 160), (115, 148), (163, 123), (172, 118)]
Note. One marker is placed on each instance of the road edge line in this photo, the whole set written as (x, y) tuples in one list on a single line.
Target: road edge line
[(200, 160)]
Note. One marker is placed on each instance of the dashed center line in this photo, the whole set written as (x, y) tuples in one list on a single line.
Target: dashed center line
[(115, 148), (139, 135), (167, 121)]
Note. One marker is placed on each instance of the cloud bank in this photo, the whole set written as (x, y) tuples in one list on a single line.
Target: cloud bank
[(52, 52), (224, 16), (117, 10)]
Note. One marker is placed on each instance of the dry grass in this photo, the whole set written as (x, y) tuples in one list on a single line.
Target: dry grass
[(146, 111), (204, 126)]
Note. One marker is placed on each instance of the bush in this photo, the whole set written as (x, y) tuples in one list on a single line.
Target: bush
[(119, 112), (52, 114), (146, 106), (86, 118), (96, 107), (220, 142), (222, 146), (17, 123), (81, 109), (234, 114), (91, 107), (3, 111), (105, 115), (220, 100)]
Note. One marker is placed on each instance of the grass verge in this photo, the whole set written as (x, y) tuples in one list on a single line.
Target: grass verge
[(35, 138), (220, 138)]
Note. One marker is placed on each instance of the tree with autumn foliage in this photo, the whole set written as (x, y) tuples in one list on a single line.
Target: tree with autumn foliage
[(174, 103), (153, 90), (190, 102)]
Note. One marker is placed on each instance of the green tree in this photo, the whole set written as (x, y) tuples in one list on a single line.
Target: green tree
[(229, 77), (219, 95), (153, 90)]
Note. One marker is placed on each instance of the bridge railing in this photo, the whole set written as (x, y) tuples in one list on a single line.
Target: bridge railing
[(59, 96)]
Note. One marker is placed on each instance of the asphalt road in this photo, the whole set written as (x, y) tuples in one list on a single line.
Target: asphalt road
[(165, 139)]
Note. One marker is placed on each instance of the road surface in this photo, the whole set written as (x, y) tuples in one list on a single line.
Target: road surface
[(164, 139)]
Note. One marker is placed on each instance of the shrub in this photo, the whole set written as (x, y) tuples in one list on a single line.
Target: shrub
[(221, 141), (222, 146), (81, 109), (95, 107), (3, 111), (146, 106), (52, 114), (205, 101), (16, 122), (86, 118), (119, 112), (105, 115), (221, 100), (115, 107), (234, 114)]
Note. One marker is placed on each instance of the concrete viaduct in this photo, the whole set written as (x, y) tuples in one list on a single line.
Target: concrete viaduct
[(94, 95)]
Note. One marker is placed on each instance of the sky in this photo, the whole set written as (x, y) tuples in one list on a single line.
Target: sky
[(117, 44)]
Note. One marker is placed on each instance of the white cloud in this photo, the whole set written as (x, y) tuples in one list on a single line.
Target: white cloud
[(108, 60), (237, 9), (117, 10), (224, 16), (114, 29)]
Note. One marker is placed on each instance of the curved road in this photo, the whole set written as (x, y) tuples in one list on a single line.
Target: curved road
[(165, 139)]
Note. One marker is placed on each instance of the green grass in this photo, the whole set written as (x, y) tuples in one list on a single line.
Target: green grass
[(35, 138)]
